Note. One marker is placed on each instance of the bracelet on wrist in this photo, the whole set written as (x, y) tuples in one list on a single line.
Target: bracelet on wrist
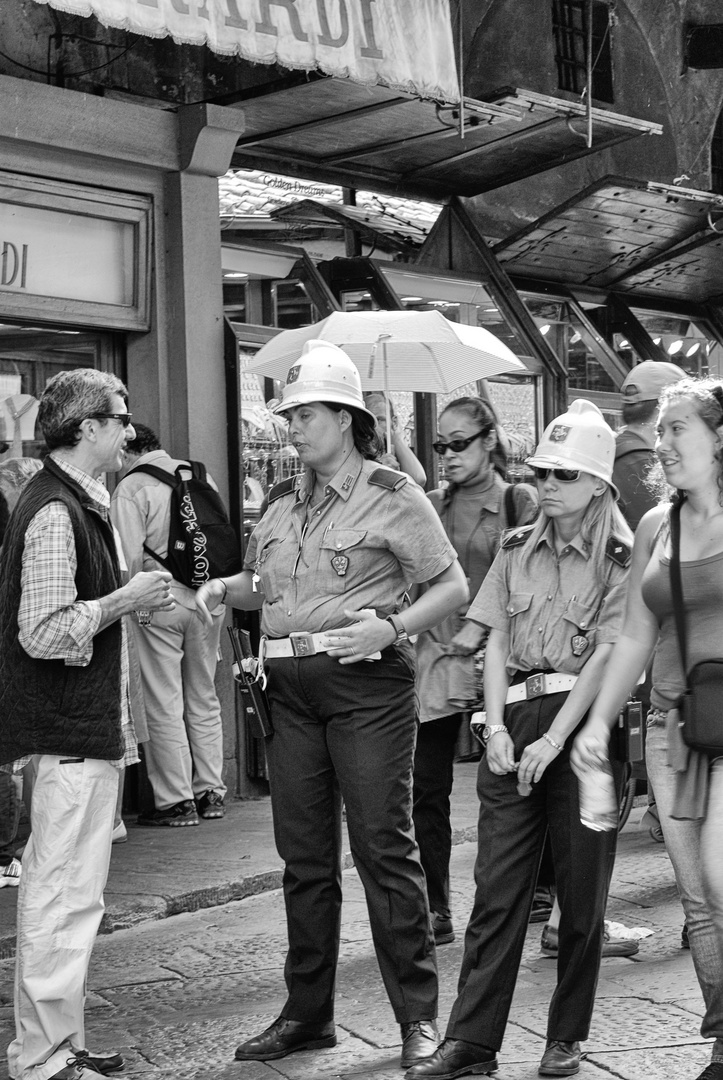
[(548, 738), (225, 590)]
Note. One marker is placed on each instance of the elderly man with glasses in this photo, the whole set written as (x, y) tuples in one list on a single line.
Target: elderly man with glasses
[(64, 702)]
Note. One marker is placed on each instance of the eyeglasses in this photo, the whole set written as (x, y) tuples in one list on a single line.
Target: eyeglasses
[(565, 476), (458, 445), (124, 417)]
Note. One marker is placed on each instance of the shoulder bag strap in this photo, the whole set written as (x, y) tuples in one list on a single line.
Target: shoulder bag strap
[(510, 508), (676, 585)]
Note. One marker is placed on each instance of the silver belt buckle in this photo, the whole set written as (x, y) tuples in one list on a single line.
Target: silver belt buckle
[(302, 643), (536, 686)]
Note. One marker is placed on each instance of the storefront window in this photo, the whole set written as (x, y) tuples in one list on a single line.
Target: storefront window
[(687, 343)]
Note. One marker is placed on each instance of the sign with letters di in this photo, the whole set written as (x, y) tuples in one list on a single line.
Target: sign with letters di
[(404, 44)]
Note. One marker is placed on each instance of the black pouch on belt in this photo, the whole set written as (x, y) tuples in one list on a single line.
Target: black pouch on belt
[(250, 681)]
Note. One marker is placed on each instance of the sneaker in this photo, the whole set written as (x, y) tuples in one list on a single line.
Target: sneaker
[(10, 874), (443, 929), (611, 946), (210, 805), (103, 1061), (183, 813), (120, 833)]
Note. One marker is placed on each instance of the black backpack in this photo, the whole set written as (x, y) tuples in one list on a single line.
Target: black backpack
[(202, 543)]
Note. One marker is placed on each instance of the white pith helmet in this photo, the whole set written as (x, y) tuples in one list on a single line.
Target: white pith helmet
[(579, 439), (322, 373)]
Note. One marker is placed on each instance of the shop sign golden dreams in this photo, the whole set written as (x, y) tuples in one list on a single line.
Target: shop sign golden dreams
[(404, 44), (73, 254)]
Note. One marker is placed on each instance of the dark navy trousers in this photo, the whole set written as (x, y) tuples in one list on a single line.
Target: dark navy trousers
[(512, 830), (347, 733)]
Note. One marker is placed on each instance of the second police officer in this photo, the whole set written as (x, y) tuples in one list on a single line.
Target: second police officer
[(553, 601)]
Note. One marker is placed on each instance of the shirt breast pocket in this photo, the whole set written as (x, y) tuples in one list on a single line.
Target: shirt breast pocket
[(341, 557), (581, 623), (269, 567), (518, 604)]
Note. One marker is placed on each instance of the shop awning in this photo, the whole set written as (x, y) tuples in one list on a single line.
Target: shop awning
[(403, 44), (374, 138), (627, 236)]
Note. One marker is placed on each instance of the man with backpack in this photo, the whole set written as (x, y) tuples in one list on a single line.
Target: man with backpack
[(158, 499)]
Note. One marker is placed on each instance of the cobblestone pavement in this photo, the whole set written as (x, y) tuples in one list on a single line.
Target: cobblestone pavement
[(177, 996)]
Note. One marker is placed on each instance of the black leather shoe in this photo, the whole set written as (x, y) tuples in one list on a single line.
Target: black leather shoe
[(560, 1059), (419, 1041), (443, 929), (455, 1058), (286, 1037)]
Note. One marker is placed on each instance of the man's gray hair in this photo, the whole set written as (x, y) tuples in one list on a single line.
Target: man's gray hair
[(71, 397)]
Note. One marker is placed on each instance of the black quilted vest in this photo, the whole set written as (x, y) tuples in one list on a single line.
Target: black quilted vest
[(45, 706)]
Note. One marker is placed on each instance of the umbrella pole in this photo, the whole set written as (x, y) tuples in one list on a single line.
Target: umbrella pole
[(387, 403)]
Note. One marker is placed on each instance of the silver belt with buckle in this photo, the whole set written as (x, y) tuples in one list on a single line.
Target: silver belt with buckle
[(552, 682), (300, 643)]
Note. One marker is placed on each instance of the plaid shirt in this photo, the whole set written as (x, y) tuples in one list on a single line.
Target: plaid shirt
[(52, 623)]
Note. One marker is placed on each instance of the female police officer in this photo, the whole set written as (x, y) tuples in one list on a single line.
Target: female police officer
[(553, 601), (329, 564)]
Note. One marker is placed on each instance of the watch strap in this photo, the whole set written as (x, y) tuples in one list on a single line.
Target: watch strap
[(398, 625)]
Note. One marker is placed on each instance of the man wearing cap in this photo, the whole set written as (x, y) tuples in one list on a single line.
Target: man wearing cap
[(634, 443), (553, 601), (330, 564)]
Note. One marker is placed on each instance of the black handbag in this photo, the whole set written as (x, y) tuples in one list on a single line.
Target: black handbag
[(701, 707)]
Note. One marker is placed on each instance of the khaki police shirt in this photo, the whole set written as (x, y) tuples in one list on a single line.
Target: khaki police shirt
[(362, 546), (551, 606)]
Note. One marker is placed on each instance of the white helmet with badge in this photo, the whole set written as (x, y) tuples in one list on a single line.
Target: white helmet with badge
[(322, 373), (579, 439)]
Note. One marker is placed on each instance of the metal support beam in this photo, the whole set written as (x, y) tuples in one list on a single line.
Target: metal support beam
[(479, 258), (623, 320)]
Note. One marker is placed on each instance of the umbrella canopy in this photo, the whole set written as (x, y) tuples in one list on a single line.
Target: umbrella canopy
[(419, 351)]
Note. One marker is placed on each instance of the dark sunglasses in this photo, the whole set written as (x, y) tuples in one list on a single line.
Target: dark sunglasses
[(458, 445), (124, 417), (565, 476)]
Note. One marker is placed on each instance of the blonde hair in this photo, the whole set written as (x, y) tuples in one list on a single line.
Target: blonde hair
[(601, 520)]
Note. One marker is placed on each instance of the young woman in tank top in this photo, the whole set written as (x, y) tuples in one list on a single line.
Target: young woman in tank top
[(689, 793)]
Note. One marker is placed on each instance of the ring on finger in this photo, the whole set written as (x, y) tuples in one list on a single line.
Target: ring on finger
[(352, 650)]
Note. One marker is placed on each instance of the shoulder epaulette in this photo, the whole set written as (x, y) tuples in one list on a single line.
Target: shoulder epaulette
[(286, 487), (387, 478), (618, 551), (516, 537)]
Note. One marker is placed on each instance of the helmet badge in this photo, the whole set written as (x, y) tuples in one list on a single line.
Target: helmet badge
[(559, 433)]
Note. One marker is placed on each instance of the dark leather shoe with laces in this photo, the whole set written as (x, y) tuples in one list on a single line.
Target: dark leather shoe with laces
[(419, 1041), (443, 929), (560, 1059), (455, 1058), (103, 1061), (286, 1037)]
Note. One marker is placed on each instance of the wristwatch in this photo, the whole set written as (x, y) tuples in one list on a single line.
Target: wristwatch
[(491, 729), (398, 625)]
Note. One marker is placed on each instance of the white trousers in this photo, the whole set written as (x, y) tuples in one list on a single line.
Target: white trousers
[(60, 905), (184, 753)]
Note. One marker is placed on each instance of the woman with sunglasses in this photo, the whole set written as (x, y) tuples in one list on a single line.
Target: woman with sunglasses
[(688, 786), (553, 602), (474, 509)]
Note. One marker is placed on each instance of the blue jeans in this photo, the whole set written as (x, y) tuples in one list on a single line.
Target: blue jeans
[(694, 849)]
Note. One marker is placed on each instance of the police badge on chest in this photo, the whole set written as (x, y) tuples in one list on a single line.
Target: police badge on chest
[(579, 643), (340, 563)]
